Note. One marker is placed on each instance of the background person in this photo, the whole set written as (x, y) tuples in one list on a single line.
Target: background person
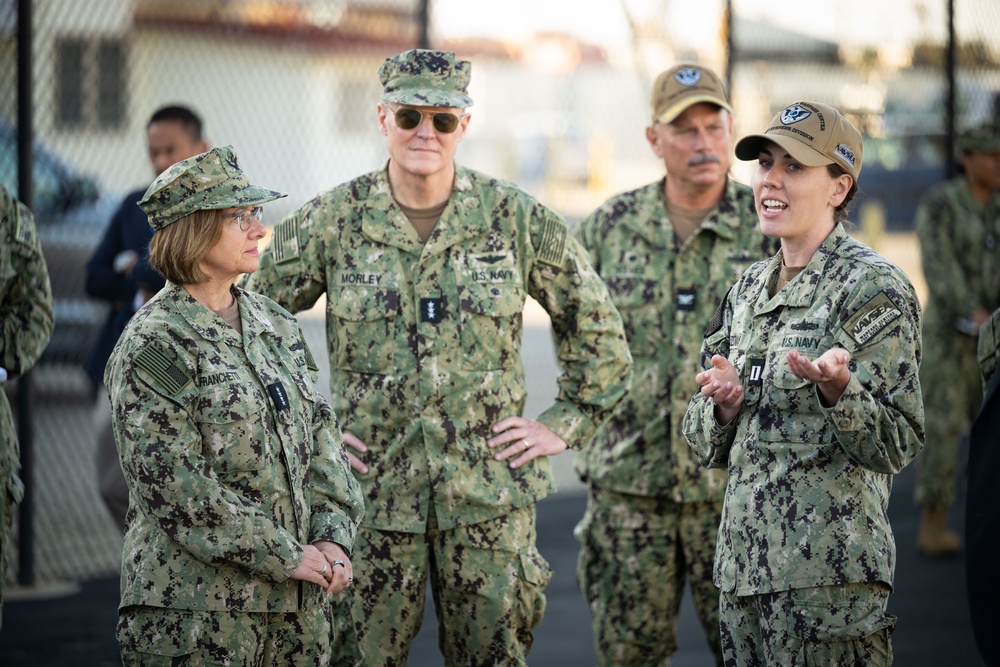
[(958, 224), (811, 398), (242, 504), (669, 252), (26, 324), (426, 266), (982, 508), (119, 273)]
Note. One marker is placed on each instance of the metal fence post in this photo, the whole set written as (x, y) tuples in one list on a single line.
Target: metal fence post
[(25, 186)]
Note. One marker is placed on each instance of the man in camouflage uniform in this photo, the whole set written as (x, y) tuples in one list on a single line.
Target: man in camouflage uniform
[(26, 316), (958, 224), (810, 397), (668, 252), (982, 507), (426, 266)]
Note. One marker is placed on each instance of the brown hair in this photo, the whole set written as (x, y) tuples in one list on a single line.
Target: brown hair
[(840, 213), (178, 249)]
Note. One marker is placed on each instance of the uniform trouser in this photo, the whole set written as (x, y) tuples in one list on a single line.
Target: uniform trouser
[(636, 554), (11, 488), (155, 637), (952, 390), (487, 581), (110, 478), (835, 626)]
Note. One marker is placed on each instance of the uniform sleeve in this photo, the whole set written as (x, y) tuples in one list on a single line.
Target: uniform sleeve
[(25, 292), (710, 440), (337, 504), (172, 482), (584, 232), (293, 266), (879, 419), (939, 256), (590, 337)]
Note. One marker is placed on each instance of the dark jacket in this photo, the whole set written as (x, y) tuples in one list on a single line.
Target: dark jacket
[(982, 525), (128, 230)]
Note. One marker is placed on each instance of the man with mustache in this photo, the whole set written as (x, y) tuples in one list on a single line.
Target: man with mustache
[(669, 252)]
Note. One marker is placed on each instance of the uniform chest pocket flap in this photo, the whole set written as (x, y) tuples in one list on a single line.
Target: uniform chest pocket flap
[(794, 402), (366, 335), (234, 431), (491, 324)]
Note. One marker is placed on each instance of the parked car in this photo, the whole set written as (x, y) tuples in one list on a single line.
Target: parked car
[(897, 172), (71, 214)]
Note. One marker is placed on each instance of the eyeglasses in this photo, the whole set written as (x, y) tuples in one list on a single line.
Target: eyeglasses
[(408, 118), (245, 218)]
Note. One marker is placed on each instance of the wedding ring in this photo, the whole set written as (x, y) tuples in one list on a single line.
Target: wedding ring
[(340, 563), (527, 445), (323, 571)]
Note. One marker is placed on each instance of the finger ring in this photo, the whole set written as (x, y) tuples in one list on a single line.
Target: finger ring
[(323, 571), (527, 445), (340, 563), (350, 578)]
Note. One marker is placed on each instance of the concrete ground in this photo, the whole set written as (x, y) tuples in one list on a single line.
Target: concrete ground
[(67, 617)]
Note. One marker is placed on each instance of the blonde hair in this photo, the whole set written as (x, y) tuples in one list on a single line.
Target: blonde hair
[(177, 250)]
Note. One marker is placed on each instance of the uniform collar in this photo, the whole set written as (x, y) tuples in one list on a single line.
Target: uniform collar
[(384, 222), (650, 219), (802, 290), (212, 327)]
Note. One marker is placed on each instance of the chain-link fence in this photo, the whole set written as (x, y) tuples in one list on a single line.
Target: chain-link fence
[(292, 85)]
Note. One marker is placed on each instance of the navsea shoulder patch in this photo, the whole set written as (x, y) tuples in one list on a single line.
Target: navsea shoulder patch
[(163, 367), (553, 245), (877, 313)]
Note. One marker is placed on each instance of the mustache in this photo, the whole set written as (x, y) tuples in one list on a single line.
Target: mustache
[(704, 158)]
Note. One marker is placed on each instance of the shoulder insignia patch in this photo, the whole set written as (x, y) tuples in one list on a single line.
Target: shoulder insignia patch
[(163, 368), (310, 361), (553, 244), (285, 241), (25, 228), (717, 319), (877, 313)]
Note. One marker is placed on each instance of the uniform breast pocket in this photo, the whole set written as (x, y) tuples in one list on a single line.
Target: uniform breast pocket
[(638, 302), (366, 335), (234, 434), (491, 325), (791, 407)]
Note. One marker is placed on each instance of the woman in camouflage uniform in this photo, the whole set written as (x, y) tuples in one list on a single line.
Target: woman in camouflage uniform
[(242, 506), (811, 399)]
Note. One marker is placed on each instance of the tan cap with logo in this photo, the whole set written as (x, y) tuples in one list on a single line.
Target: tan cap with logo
[(681, 86), (814, 134)]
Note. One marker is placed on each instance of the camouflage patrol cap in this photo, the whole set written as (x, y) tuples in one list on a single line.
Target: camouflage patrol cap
[(985, 138), (814, 134), (208, 181), (425, 78), (682, 86)]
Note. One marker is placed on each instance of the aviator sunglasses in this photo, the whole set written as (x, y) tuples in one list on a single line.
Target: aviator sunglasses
[(408, 118)]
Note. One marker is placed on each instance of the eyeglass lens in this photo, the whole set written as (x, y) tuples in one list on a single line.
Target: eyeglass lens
[(445, 123), (245, 218)]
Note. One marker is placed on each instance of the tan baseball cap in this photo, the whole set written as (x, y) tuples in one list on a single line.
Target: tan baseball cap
[(683, 85), (814, 134)]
